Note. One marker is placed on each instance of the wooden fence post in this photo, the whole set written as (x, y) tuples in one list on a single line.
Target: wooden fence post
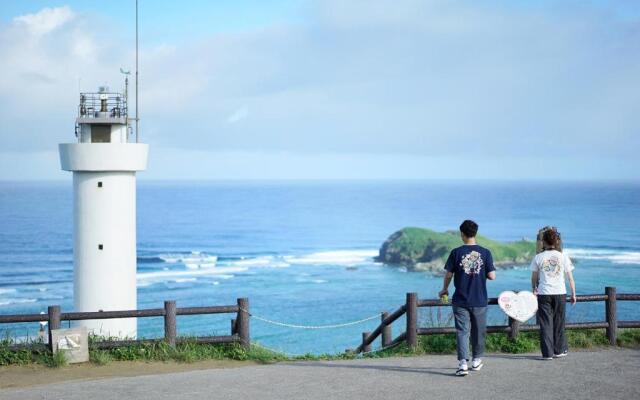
[(170, 331), (367, 348), (412, 320), (611, 313), (54, 322), (387, 336), (242, 319), (233, 326), (514, 329)]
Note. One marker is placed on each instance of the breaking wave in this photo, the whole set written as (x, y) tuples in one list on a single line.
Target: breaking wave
[(7, 302), (613, 256), (185, 274), (187, 267), (347, 258)]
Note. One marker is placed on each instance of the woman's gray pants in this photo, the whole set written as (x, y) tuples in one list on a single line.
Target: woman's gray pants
[(470, 321)]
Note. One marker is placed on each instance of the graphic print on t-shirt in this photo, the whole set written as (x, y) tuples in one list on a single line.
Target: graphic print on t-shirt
[(552, 266), (472, 263)]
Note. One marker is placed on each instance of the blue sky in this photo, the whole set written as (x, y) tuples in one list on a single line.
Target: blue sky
[(179, 19), (334, 89)]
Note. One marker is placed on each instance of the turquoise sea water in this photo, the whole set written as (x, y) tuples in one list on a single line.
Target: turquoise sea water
[(302, 251)]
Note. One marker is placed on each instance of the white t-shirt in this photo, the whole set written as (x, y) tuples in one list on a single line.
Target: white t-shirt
[(551, 266)]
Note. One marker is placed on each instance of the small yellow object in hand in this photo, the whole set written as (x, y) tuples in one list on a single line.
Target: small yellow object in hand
[(444, 299)]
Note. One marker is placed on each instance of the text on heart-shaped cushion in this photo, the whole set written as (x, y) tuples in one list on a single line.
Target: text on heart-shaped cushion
[(520, 306)]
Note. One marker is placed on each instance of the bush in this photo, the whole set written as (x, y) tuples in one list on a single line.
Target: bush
[(57, 359), (100, 357)]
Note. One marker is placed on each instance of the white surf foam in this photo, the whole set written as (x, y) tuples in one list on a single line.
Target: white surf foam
[(175, 274), (51, 297), (198, 264), (259, 262), (7, 290), (345, 258), (614, 256), (7, 302), (184, 280), (195, 259)]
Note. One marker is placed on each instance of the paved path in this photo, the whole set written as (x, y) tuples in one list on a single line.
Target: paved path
[(607, 374)]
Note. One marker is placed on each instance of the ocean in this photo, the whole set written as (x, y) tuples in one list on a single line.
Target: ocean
[(302, 252)]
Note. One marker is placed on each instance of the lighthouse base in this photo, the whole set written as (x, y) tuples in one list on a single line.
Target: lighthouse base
[(121, 328)]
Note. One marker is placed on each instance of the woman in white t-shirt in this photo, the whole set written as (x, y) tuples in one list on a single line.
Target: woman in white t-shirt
[(549, 269)]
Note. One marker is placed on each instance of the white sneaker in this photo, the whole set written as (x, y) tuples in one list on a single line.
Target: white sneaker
[(476, 364), (563, 354), (463, 370)]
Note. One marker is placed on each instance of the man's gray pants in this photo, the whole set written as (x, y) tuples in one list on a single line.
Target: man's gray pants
[(470, 321)]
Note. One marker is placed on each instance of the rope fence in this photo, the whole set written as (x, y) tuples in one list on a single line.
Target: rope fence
[(294, 326)]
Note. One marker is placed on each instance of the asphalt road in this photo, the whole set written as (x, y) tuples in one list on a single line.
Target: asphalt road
[(604, 374)]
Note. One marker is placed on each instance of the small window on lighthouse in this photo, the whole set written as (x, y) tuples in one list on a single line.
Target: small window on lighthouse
[(99, 184), (100, 247), (101, 134)]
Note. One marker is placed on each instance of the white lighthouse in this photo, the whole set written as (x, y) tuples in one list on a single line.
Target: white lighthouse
[(104, 165)]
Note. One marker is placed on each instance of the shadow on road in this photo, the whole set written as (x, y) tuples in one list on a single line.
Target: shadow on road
[(431, 371), (514, 357)]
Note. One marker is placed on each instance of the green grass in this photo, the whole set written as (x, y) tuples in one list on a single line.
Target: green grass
[(33, 354), (99, 357), (57, 360), (629, 338), (526, 342), (187, 352)]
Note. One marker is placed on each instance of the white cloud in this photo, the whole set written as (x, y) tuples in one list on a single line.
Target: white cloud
[(425, 79), (238, 115), (42, 70), (45, 20)]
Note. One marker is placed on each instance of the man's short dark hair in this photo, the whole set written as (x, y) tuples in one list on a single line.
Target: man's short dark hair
[(469, 228)]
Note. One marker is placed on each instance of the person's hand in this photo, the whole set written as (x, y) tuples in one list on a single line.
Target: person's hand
[(573, 299), (535, 291), (443, 292)]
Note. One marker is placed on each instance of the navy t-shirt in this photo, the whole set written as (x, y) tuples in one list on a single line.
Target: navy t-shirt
[(470, 265)]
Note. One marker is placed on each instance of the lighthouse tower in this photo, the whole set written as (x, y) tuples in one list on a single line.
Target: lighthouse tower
[(104, 165)]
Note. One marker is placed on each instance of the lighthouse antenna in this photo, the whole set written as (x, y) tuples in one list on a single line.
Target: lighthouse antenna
[(137, 117)]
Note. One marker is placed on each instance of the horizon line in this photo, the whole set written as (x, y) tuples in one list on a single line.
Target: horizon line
[(440, 180)]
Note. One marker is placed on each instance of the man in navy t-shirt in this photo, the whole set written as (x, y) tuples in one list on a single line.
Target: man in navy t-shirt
[(470, 266)]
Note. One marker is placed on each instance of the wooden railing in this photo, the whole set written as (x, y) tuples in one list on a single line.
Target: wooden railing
[(239, 325), (240, 331), (412, 331)]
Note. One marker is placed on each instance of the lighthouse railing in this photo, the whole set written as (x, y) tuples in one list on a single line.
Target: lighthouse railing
[(93, 103)]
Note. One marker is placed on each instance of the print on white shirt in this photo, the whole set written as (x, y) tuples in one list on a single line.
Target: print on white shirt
[(552, 266)]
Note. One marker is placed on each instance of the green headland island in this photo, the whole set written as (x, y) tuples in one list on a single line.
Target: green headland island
[(421, 249)]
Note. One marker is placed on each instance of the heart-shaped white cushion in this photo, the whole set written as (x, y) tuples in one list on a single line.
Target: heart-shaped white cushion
[(520, 306)]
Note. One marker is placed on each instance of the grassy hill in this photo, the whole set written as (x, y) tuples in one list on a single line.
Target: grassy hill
[(425, 249)]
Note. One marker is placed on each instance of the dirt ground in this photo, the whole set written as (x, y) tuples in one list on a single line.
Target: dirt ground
[(17, 376)]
